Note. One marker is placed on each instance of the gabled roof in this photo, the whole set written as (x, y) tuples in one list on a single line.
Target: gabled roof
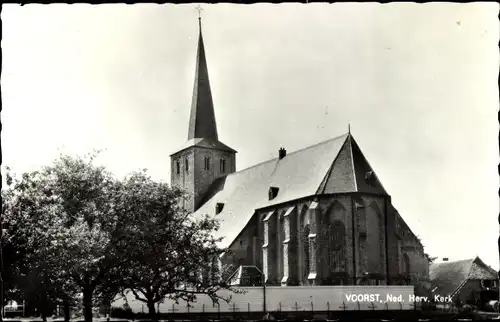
[(448, 277), (299, 174), (348, 173)]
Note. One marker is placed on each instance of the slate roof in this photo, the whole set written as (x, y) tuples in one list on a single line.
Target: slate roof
[(299, 174), (202, 120), (448, 277)]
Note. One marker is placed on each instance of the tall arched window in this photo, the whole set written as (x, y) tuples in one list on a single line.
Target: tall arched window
[(187, 164), (222, 165), (305, 245), (207, 163), (406, 265), (336, 251), (374, 242), (281, 226)]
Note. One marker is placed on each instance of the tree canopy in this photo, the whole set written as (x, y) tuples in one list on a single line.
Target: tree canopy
[(84, 231)]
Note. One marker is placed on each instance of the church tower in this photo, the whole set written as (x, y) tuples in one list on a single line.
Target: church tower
[(203, 158)]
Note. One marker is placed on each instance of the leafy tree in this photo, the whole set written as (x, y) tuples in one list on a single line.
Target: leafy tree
[(85, 232), (172, 254), (64, 215), (28, 221)]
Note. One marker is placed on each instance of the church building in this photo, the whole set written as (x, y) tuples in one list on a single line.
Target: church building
[(316, 216)]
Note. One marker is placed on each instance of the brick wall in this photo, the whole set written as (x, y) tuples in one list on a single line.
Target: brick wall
[(393, 251), (197, 180), (184, 178), (317, 298), (369, 252), (410, 245)]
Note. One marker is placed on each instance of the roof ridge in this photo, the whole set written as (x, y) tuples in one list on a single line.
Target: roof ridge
[(296, 151), (456, 261), (319, 143)]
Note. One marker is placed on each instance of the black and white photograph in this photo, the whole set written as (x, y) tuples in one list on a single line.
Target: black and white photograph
[(291, 161)]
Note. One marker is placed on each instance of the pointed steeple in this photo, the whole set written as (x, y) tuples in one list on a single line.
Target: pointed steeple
[(202, 121)]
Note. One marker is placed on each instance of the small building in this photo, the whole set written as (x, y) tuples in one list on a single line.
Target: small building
[(468, 281)]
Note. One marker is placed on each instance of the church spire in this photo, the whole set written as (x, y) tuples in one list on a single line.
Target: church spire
[(202, 121)]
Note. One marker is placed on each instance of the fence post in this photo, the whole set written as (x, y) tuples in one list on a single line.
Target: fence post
[(328, 309), (173, 310), (248, 310), (312, 311), (218, 310)]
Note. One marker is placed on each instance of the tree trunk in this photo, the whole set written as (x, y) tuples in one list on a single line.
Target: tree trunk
[(43, 300), (87, 299), (152, 311), (2, 304), (66, 310)]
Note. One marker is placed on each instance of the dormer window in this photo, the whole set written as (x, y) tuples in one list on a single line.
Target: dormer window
[(369, 176), (222, 165), (273, 192), (178, 166), (218, 208), (207, 163), (187, 165)]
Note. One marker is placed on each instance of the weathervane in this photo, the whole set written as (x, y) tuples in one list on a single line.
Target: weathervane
[(199, 9)]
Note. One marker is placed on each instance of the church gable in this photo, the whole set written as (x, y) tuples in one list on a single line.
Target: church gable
[(351, 172), (366, 179), (340, 178)]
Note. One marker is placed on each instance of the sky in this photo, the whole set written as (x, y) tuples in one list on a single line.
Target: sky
[(416, 82)]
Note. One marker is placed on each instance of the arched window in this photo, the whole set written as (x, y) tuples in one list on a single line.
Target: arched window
[(178, 166), (222, 165), (207, 163), (406, 265), (336, 249), (187, 164), (281, 226), (305, 243), (374, 242)]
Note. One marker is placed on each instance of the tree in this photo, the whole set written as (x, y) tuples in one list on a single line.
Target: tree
[(30, 225), (86, 232), (171, 253), (65, 216)]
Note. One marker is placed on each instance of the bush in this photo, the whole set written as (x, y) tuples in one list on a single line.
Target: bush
[(121, 313)]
